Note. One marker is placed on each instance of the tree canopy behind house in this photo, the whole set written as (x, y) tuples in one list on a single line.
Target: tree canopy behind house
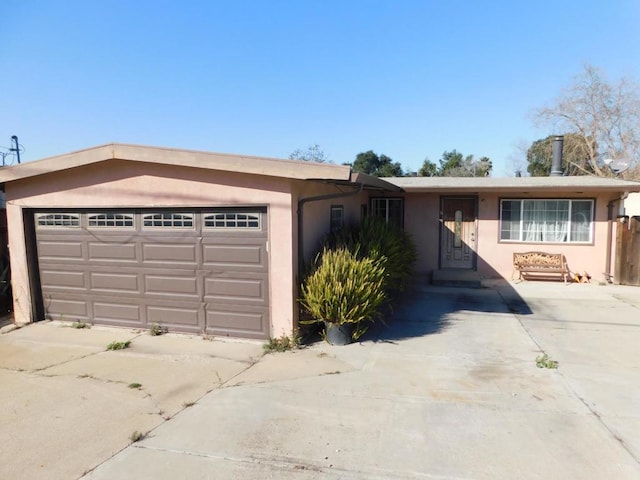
[(575, 156), (455, 164), (371, 163)]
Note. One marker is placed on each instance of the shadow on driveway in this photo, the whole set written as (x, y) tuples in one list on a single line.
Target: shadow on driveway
[(427, 309)]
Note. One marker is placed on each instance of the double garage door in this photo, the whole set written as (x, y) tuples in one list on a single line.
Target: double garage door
[(197, 271)]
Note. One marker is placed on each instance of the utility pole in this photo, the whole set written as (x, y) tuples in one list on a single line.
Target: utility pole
[(15, 149)]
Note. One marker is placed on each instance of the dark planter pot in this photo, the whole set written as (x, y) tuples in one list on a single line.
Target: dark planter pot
[(339, 334)]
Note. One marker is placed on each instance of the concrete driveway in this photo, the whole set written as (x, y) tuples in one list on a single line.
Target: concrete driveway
[(448, 390)]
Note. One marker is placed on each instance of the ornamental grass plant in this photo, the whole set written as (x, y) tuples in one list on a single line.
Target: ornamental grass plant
[(345, 288)]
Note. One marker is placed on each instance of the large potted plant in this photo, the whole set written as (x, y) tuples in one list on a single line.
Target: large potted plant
[(344, 292)]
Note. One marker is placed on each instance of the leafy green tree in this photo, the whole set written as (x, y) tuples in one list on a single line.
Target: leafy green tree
[(378, 165), (428, 169), (455, 164), (575, 155), (484, 166), (451, 162)]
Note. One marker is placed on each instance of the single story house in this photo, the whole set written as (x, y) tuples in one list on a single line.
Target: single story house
[(213, 243)]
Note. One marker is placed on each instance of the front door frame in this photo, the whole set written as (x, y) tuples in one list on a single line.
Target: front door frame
[(443, 199)]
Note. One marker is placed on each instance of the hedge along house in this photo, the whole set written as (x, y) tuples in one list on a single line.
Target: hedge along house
[(211, 243), (197, 242)]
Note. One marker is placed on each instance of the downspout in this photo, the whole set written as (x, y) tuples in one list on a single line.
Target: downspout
[(610, 206), (301, 203)]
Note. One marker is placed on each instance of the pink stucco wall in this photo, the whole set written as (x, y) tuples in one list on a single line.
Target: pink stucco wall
[(316, 214), (127, 184), (495, 257)]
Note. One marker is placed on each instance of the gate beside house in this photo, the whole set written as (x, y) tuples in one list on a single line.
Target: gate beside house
[(627, 269)]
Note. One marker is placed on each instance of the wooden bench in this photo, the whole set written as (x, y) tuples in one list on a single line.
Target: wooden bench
[(541, 265)]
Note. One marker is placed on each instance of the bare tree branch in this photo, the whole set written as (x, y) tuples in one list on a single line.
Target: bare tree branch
[(604, 115)]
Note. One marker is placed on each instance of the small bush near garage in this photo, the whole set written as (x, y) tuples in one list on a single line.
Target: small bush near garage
[(157, 330), (80, 325), (282, 344), (344, 289), (389, 245)]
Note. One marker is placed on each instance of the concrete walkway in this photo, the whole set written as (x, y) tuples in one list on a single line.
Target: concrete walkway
[(448, 390)]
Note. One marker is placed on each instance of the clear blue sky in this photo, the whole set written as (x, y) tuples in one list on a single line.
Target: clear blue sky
[(410, 79)]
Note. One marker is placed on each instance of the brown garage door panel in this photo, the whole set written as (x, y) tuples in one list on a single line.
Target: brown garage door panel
[(115, 312), (236, 290), (237, 255), (172, 317), (59, 250), (114, 283), (169, 253), (241, 322), (186, 286), (65, 309), (113, 252), (62, 280)]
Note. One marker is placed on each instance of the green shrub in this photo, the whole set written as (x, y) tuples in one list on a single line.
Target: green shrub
[(80, 324), (344, 289), (376, 239), (119, 345), (157, 329), (544, 361)]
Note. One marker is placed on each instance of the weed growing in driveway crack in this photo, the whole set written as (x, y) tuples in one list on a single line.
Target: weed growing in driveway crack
[(282, 344), (188, 404), (80, 324), (543, 361), (156, 330), (136, 436), (119, 345), (135, 385)]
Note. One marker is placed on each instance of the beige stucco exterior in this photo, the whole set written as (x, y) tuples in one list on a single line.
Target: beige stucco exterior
[(128, 176), (125, 184), (95, 179), (495, 257)]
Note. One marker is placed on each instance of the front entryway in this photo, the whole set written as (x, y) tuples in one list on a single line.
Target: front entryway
[(458, 233)]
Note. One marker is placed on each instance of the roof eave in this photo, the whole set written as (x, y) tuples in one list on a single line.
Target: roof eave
[(525, 189), (374, 183), (187, 158)]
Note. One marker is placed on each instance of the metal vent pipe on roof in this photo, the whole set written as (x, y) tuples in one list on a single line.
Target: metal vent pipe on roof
[(556, 163)]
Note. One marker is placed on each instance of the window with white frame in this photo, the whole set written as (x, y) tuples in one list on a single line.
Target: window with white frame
[(232, 220), (546, 220), (58, 220), (110, 219), (168, 220), (391, 209)]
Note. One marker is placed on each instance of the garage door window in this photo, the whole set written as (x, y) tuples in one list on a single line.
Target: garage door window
[(168, 220), (232, 220), (67, 220), (118, 220)]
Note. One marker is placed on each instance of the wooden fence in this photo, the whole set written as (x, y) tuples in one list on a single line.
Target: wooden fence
[(627, 268)]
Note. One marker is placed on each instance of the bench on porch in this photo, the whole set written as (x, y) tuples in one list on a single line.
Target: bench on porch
[(542, 265)]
